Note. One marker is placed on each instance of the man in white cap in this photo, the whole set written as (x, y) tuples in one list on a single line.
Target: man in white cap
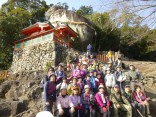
[(44, 114), (110, 80), (64, 105), (88, 102)]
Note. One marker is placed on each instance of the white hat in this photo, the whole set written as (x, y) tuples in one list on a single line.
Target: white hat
[(86, 87), (63, 87), (44, 114), (108, 69), (100, 86)]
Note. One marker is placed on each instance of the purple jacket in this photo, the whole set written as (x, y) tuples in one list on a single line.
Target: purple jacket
[(73, 100)]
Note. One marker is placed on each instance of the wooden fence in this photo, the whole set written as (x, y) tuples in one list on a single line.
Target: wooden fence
[(3, 74), (103, 58)]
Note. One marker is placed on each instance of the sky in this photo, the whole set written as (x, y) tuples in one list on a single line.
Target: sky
[(73, 3), (106, 5)]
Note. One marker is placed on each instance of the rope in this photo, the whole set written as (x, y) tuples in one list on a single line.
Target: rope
[(80, 23)]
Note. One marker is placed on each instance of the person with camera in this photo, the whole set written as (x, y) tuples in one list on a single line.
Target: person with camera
[(88, 102), (49, 93)]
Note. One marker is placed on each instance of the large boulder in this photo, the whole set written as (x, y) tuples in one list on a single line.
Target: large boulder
[(12, 108), (78, 23)]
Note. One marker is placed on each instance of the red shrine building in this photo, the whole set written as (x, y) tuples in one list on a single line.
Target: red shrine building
[(42, 32)]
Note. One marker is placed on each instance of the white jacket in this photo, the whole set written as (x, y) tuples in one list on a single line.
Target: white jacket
[(110, 80)]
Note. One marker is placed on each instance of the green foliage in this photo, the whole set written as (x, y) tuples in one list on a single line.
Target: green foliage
[(107, 35), (14, 16), (85, 10), (48, 65)]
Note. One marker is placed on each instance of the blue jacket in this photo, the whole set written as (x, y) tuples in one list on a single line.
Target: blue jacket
[(93, 82), (90, 47)]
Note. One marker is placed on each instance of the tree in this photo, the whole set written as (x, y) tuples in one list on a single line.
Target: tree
[(14, 16), (107, 35), (85, 10)]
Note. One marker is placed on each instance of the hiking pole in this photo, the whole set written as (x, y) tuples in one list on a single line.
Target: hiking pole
[(140, 113), (121, 88)]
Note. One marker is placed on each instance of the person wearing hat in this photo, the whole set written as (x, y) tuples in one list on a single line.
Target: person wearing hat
[(89, 49), (77, 71), (80, 83), (87, 80), (84, 70), (85, 59), (69, 58), (76, 100), (49, 94), (120, 103), (111, 66), (129, 95), (93, 82), (133, 77), (68, 73), (120, 78), (98, 70), (63, 83), (88, 102), (118, 62), (73, 83), (110, 80), (110, 56), (59, 74), (99, 80), (65, 106), (47, 77), (103, 101)]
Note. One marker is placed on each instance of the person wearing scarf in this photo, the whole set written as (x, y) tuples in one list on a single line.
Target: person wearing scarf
[(142, 101), (59, 74), (88, 102), (65, 106), (103, 102), (76, 100)]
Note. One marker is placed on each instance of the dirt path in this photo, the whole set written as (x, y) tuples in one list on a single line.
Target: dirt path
[(152, 94)]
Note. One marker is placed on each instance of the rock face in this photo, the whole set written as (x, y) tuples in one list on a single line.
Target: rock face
[(36, 57), (23, 95), (78, 23)]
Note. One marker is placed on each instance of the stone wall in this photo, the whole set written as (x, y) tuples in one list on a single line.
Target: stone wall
[(36, 57)]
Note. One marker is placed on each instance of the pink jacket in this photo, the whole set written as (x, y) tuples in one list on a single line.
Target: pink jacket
[(139, 97), (100, 102), (77, 73)]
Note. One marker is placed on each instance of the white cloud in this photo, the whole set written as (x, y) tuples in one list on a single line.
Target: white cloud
[(2, 2)]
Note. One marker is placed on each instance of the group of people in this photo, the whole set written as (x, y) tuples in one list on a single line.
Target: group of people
[(84, 87)]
